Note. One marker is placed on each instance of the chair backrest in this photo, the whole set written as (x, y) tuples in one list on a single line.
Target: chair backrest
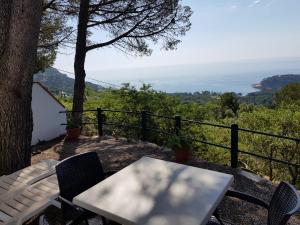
[(284, 203), (78, 173)]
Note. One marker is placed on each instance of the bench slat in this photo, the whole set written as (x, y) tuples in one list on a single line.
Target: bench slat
[(4, 185), (4, 217), (27, 192), (23, 200), (31, 196), (16, 205), (10, 181), (8, 210)]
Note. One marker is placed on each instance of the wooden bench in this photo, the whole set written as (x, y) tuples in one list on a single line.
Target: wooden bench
[(27, 192), (29, 202), (20, 180)]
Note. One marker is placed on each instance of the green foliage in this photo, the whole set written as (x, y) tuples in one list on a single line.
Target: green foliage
[(229, 101), (71, 124), (265, 98), (54, 31), (275, 83), (290, 94), (177, 142), (280, 120), (197, 97), (59, 83)]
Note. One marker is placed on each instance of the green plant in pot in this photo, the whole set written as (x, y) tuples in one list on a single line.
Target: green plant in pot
[(73, 130), (181, 147)]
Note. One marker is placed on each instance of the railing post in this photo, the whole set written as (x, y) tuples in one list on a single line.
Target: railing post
[(234, 145), (100, 121), (177, 124), (144, 125)]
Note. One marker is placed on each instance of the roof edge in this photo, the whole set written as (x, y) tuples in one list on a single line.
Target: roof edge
[(51, 95)]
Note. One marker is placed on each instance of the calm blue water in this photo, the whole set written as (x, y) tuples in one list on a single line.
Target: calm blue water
[(218, 77)]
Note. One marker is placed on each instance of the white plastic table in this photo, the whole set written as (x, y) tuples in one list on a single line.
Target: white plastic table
[(156, 192)]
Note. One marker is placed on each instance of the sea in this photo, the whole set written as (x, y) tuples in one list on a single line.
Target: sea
[(236, 77)]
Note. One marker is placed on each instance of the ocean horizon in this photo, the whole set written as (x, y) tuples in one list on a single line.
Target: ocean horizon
[(217, 77)]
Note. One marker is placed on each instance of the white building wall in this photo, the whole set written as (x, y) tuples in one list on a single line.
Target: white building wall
[(46, 116)]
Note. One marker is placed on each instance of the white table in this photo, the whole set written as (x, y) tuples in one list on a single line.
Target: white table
[(156, 192)]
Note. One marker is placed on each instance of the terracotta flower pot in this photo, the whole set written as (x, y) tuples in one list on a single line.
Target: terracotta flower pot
[(73, 133), (182, 154)]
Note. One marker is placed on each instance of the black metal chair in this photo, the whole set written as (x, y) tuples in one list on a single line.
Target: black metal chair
[(75, 175), (284, 203)]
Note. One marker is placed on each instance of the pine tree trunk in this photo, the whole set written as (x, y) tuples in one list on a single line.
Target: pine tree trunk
[(19, 29), (79, 85)]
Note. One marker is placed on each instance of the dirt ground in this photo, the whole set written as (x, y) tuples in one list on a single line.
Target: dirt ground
[(116, 154)]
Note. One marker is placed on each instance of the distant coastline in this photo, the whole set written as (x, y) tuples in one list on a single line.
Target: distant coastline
[(257, 86), (275, 83)]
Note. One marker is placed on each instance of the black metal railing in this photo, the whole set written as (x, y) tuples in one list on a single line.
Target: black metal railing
[(145, 131)]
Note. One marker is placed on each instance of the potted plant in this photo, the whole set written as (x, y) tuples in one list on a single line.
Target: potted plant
[(73, 130), (181, 147)]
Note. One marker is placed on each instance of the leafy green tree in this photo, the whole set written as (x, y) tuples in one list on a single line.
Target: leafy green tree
[(281, 121), (54, 32), (289, 94), (130, 26), (229, 100), (246, 107)]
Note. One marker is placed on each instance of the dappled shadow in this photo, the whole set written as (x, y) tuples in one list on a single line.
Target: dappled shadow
[(116, 154), (156, 192)]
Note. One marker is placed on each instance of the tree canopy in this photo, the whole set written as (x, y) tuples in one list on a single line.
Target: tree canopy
[(290, 94), (131, 26), (54, 32), (229, 101)]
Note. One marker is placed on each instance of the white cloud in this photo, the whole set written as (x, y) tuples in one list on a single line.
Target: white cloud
[(233, 7), (254, 3)]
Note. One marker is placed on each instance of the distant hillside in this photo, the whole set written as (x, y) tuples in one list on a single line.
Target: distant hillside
[(57, 82), (275, 83)]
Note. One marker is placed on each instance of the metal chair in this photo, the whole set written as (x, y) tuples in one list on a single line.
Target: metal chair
[(284, 203), (75, 175)]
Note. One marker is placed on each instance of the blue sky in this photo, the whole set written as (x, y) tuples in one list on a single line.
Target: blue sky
[(222, 31)]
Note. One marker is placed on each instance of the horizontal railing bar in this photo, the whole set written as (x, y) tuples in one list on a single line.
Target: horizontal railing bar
[(160, 131), (71, 111), (122, 125), (268, 158), (163, 117), (204, 123), (190, 121), (87, 123), (269, 134), (120, 111), (212, 144)]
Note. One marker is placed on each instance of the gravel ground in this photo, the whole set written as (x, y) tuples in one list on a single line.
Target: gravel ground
[(116, 154)]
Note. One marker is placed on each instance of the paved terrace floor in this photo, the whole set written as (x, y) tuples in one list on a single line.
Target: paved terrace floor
[(116, 154)]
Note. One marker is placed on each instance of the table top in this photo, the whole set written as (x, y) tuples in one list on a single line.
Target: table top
[(157, 192)]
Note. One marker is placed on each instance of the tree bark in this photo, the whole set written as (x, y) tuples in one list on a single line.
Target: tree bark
[(19, 30), (79, 85)]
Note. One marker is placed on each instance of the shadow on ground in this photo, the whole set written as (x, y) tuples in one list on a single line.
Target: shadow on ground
[(116, 154)]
